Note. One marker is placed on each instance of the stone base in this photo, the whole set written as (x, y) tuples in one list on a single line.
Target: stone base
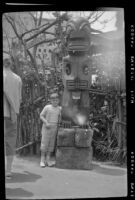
[(74, 158)]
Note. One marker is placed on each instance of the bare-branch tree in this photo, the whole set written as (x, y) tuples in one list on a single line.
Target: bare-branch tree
[(42, 29), (95, 16), (12, 23)]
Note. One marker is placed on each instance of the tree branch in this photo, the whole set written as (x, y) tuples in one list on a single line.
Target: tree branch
[(35, 29), (12, 23), (44, 41), (22, 23), (33, 17), (90, 15), (7, 40), (40, 19), (96, 17), (63, 17)]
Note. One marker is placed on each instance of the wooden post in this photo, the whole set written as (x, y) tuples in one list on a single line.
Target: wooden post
[(37, 148), (31, 150)]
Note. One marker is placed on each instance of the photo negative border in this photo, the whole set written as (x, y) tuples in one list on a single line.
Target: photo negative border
[(129, 15)]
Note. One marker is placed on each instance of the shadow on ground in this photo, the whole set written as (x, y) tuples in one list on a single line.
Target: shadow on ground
[(24, 177), (14, 192), (97, 168), (108, 171)]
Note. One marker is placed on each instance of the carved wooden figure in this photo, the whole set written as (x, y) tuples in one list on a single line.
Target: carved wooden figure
[(74, 138)]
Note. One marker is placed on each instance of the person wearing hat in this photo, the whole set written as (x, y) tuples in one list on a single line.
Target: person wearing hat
[(12, 88), (50, 116)]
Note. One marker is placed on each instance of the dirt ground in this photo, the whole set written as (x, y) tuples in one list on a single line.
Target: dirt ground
[(32, 182)]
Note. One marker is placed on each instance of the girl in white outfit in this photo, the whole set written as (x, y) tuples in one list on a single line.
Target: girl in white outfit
[(50, 117)]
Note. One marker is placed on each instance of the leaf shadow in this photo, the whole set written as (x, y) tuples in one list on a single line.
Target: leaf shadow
[(23, 177), (17, 192), (108, 170)]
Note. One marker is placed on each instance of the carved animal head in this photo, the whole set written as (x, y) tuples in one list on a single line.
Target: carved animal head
[(78, 35)]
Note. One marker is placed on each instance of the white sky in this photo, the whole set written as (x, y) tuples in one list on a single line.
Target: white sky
[(108, 15)]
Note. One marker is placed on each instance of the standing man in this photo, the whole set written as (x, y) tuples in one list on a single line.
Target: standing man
[(11, 98)]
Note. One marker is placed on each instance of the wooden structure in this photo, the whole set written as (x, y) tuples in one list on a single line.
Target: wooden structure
[(74, 137), (29, 124)]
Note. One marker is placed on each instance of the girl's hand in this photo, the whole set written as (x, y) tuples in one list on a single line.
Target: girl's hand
[(48, 125)]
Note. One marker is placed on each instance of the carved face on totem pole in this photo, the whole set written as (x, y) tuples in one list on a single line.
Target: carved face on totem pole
[(76, 73)]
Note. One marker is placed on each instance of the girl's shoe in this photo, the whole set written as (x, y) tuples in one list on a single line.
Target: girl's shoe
[(50, 163), (42, 164)]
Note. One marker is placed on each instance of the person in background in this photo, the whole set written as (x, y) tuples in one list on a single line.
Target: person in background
[(12, 89), (50, 116)]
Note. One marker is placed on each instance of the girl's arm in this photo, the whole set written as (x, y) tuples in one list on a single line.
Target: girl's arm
[(43, 116), (43, 119)]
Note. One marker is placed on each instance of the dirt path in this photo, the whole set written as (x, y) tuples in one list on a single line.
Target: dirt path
[(30, 181)]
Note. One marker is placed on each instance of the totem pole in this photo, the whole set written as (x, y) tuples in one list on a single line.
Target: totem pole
[(74, 137)]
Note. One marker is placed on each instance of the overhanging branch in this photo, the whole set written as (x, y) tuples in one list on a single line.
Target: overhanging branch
[(63, 17)]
